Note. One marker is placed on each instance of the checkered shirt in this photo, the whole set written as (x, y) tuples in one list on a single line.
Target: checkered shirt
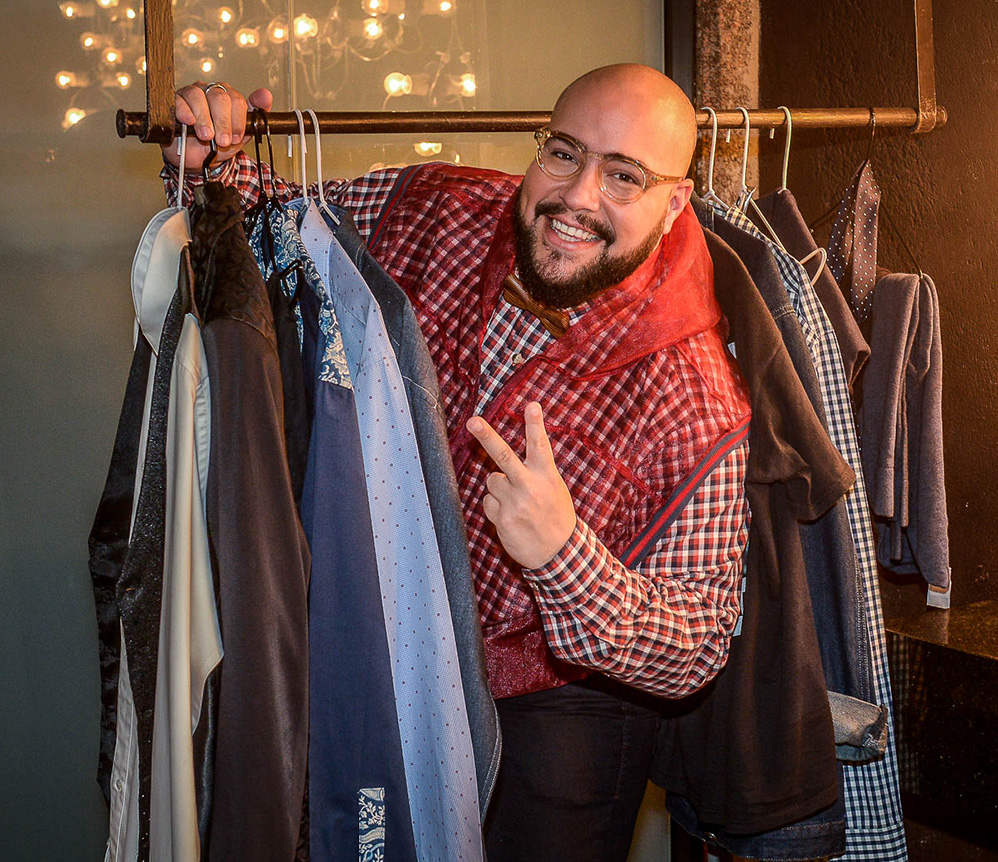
[(664, 627), (874, 822)]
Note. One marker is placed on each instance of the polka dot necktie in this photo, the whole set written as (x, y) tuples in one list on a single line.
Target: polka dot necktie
[(852, 246)]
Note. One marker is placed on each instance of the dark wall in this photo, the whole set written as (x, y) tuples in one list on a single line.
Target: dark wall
[(939, 194)]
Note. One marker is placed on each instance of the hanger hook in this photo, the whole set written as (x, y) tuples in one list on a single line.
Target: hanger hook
[(786, 147), (304, 150), (212, 152), (713, 149), (748, 128), (270, 142), (873, 133), (318, 151), (318, 167), (183, 156)]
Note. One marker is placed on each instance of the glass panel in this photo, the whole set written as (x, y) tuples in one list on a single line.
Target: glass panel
[(76, 199)]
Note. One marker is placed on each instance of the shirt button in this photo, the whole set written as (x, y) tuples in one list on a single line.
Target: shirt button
[(119, 785), (518, 359)]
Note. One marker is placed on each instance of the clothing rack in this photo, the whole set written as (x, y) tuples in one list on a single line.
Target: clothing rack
[(157, 124)]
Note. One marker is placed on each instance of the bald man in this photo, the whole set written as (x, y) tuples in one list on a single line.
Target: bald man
[(596, 423)]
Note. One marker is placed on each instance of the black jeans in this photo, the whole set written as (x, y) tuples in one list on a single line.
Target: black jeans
[(574, 768)]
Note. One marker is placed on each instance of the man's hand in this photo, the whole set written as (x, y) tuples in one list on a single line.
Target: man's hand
[(528, 501), (218, 114)]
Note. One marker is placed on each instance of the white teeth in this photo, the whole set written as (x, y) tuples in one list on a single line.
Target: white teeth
[(570, 233)]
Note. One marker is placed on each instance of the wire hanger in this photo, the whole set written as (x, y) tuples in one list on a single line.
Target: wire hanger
[(266, 202), (206, 164), (819, 252), (786, 146), (745, 198), (827, 214), (711, 195), (873, 134), (323, 204), (745, 195)]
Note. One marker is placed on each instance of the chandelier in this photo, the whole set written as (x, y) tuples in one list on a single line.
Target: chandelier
[(357, 55)]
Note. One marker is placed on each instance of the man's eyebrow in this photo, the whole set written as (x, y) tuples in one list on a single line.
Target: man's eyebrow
[(588, 149)]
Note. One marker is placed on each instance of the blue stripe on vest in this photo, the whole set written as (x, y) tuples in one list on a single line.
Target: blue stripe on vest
[(639, 549), (398, 189)]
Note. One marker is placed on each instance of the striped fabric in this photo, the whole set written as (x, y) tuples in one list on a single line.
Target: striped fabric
[(874, 822)]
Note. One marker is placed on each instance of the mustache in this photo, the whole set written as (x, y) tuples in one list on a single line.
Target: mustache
[(601, 229)]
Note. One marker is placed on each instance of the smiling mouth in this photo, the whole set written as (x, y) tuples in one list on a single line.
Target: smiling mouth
[(570, 233)]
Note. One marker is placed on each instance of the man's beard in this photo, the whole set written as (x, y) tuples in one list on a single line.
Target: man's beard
[(588, 281)]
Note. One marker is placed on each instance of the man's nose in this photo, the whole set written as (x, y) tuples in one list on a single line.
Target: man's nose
[(582, 191)]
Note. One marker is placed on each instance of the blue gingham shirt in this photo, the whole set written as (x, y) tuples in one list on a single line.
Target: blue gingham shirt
[(874, 822)]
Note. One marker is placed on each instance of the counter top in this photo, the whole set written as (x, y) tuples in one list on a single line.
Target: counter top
[(971, 629)]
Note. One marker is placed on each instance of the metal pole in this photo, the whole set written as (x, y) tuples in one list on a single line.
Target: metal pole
[(442, 122)]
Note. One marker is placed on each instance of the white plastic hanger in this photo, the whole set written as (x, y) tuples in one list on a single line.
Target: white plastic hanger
[(710, 195), (786, 146), (746, 199), (323, 204), (745, 195), (180, 177), (820, 252), (304, 150)]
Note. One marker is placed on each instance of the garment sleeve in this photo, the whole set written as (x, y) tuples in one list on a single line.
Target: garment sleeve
[(364, 196), (666, 626)]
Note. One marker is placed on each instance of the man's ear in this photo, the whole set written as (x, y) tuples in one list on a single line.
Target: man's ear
[(681, 195)]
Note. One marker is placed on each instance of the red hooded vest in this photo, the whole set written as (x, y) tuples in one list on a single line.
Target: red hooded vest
[(634, 395)]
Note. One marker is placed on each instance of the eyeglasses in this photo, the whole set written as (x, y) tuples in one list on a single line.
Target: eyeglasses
[(623, 179)]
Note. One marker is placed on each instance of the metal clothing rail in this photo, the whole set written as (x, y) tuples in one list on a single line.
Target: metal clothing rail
[(157, 124)]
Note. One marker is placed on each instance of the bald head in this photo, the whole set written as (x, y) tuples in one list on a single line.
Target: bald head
[(641, 101)]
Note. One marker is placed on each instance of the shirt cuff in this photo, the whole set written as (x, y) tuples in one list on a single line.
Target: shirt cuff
[(171, 171), (574, 573)]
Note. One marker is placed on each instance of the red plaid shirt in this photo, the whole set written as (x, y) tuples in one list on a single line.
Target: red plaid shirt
[(664, 626)]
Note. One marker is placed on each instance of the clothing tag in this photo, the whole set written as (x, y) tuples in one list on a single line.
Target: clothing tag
[(741, 613), (937, 597)]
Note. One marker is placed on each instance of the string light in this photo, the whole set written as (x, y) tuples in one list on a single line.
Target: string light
[(427, 148), (306, 27), (468, 84), (397, 84), (247, 37), (277, 31), (72, 117), (372, 31)]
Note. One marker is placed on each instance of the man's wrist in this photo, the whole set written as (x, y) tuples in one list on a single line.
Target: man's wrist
[(214, 172)]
